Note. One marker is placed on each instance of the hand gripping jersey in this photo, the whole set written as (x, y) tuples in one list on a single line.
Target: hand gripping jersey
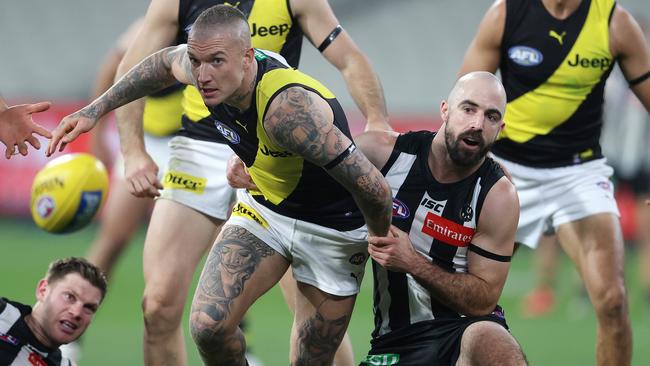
[(289, 185), (554, 73), (18, 345), (273, 28), (441, 221)]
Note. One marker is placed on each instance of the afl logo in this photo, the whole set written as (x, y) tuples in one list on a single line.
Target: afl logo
[(227, 132), (400, 210), (45, 206), (525, 56)]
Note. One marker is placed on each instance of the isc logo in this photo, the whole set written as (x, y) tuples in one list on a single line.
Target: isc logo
[(435, 206), (525, 56)]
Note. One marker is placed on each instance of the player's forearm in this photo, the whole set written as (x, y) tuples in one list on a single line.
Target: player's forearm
[(365, 88), (370, 190), (151, 75), (462, 292), (130, 127)]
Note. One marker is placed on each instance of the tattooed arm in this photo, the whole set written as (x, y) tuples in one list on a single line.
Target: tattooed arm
[(301, 122), (154, 73)]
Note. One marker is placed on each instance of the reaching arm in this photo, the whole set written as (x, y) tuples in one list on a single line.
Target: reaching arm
[(477, 291), (317, 21), (629, 46), (154, 73), (301, 122), (483, 53)]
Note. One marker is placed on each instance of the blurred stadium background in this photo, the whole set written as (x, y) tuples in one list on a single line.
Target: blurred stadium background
[(51, 50)]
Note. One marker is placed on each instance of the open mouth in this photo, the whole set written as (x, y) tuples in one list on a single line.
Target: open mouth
[(209, 91), (68, 327), (471, 141)]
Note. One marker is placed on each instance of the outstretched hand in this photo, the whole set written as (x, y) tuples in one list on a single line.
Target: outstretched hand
[(69, 129), (17, 128), (394, 252)]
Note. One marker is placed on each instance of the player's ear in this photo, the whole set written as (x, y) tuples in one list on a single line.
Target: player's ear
[(41, 289), (249, 56), (444, 110)]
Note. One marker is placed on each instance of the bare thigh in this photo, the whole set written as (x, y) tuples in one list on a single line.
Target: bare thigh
[(177, 238), (489, 343), (240, 268), (595, 245)]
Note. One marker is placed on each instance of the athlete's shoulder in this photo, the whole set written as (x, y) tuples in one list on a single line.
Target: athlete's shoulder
[(491, 170), (413, 141)]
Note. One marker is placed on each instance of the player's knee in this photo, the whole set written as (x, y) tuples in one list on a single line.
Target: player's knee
[(208, 333), (160, 316), (611, 304), (488, 343)]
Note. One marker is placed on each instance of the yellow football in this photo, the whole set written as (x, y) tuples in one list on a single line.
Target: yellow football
[(67, 192)]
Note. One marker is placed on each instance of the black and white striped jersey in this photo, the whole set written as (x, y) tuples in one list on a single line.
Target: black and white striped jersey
[(18, 345), (440, 220)]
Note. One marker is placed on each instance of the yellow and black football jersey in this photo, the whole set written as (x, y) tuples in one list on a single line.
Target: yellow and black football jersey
[(273, 28), (554, 73), (289, 185)]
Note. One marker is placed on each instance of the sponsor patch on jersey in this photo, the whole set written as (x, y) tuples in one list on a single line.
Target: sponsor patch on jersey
[(227, 132), (525, 56), (248, 212), (387, 359), (400, 209), (447, 231), (265, 150), (9, 339), (186, 182)]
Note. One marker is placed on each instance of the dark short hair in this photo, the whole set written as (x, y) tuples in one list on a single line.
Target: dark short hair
[(91, 273), (218, 15)]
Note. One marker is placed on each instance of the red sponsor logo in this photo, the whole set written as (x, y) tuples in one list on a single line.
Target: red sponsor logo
[(447, 231), (36, 360)]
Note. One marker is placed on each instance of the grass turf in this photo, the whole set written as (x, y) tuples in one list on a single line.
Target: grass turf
[(564, 337)]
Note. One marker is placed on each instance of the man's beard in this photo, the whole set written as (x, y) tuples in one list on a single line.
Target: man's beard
[(464, 157)]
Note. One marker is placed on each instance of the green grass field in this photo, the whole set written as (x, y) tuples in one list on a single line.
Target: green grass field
[(565, 337)]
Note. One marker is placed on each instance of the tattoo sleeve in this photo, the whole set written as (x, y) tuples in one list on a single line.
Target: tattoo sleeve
[(298, 122), (151, 75)]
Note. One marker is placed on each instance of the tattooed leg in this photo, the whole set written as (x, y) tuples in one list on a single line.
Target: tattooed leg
[(321, 321), (239, 269)]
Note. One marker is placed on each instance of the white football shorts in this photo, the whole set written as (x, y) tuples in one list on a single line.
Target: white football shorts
[(195, 176), (330, 260), (550, 197)]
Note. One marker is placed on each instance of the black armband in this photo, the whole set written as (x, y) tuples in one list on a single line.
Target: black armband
[(639, 80), (484, 253), (330, 38), (337, 160)]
